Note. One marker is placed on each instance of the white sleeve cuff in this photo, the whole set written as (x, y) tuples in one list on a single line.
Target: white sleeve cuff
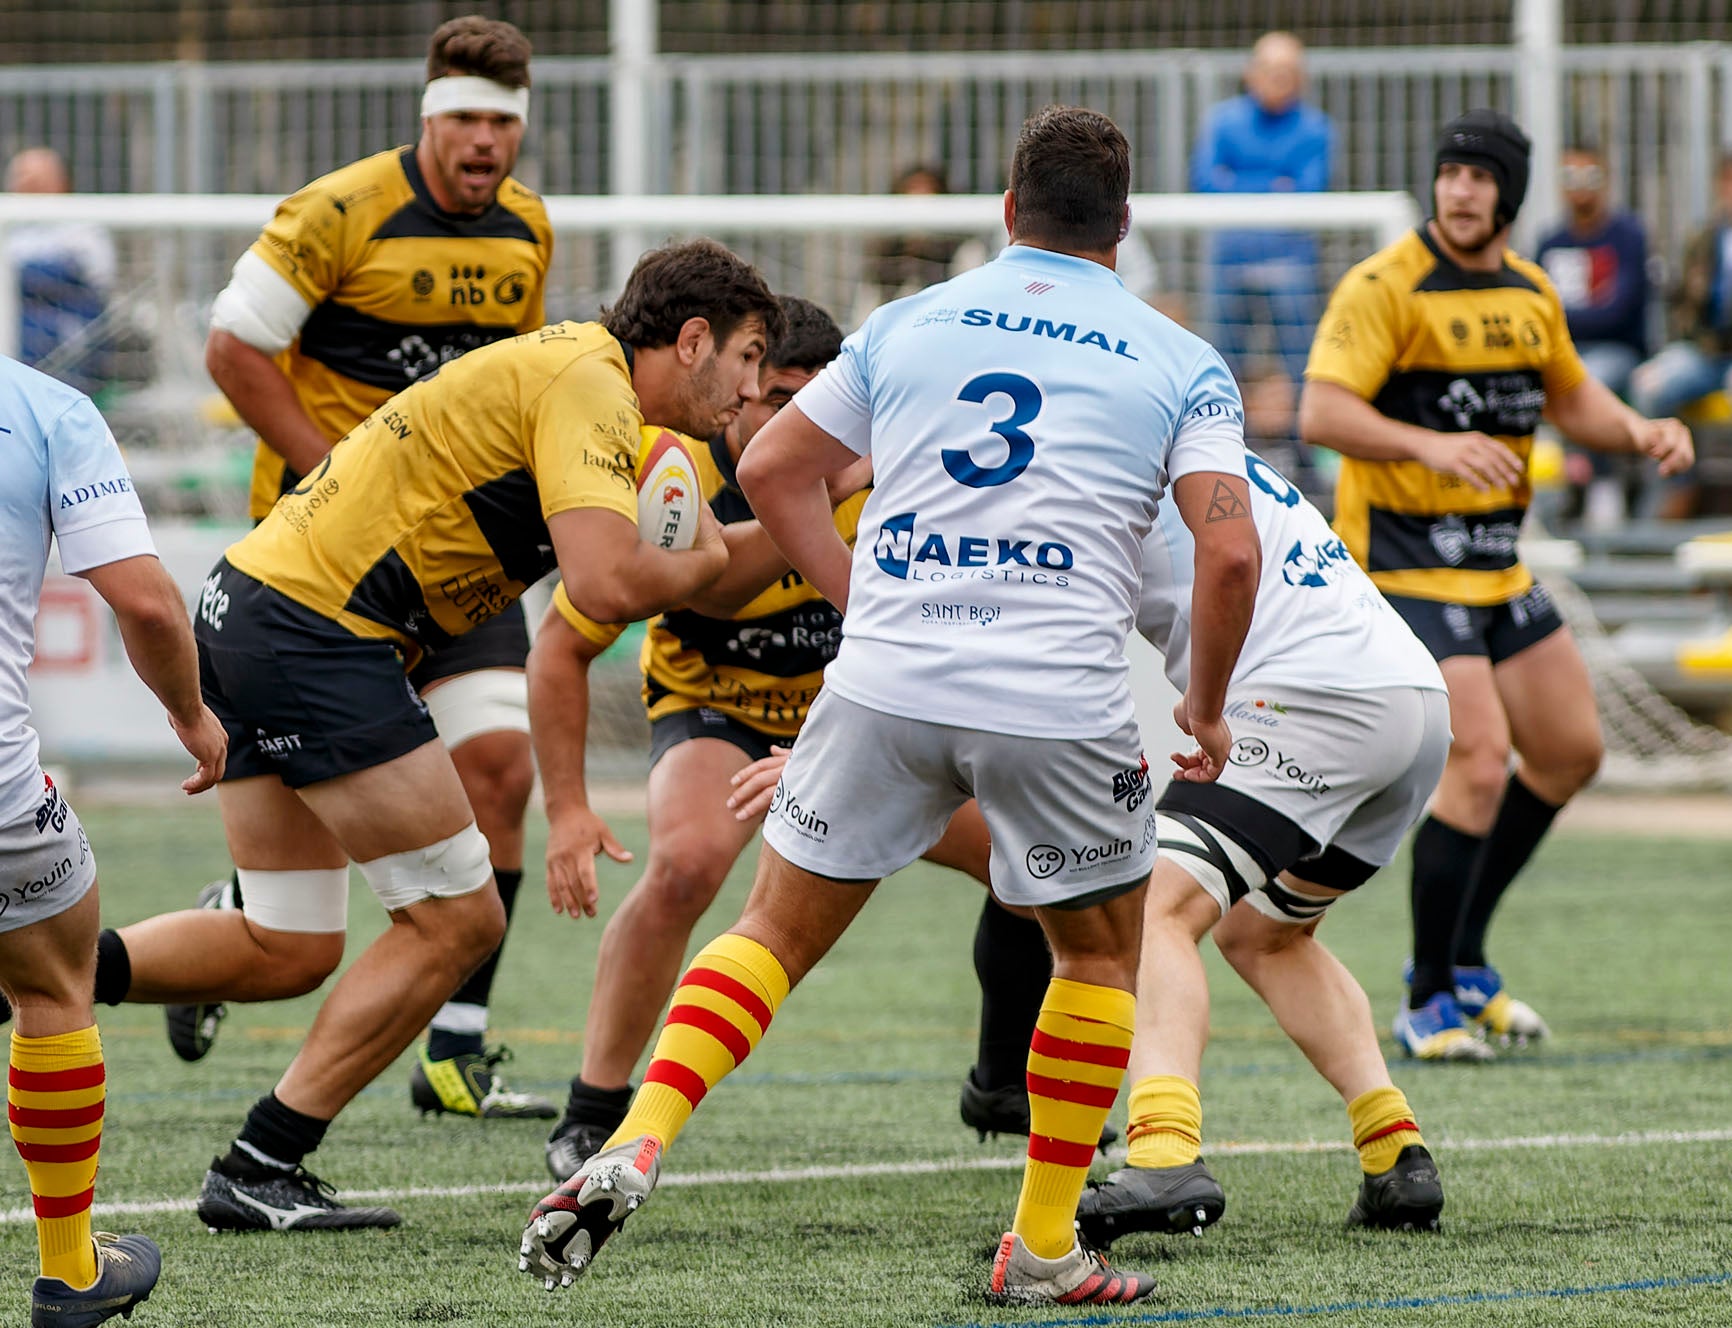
[(259, 306), (1217, 445), (107, 542), (821, 402)]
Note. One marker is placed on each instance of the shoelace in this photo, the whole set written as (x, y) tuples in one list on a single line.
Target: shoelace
[(107, 1250), (311, 1184)]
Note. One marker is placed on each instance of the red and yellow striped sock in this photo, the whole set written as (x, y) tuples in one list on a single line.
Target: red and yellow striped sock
[(1166, 1122), (721, 1008), (1076, 1063), (54, 1101), (1383, 1125)]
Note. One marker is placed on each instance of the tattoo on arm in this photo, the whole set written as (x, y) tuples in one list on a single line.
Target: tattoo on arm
[(1224, 504)]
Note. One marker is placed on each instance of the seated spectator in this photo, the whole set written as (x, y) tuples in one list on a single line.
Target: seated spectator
[(1598, 260), (1266, 141), (1695, 363), (65, 273)]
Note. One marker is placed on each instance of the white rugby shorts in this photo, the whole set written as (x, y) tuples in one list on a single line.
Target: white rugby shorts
[(866, 793), (1353, 770), (46, 865)]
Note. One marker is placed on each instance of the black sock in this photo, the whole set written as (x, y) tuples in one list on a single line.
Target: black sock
[(596, 1106), (1443, 862), (477, 988), (1014, 966), (1522, 821), (113, 968), (274, 1136)]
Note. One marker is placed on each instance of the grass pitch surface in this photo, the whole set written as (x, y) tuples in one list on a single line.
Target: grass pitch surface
[(830, 1183)]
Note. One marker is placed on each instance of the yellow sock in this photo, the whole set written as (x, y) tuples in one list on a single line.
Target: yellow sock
[(721, 1008), (1383, 1125), (1082, 1041), (1166, 1124), (55, 1100)]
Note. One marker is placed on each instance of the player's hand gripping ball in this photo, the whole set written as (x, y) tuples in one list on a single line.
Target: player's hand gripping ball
[(668, 497)]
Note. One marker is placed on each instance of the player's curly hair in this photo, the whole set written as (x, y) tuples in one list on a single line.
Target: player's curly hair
[(692, 279), (810, 340), (1071, 174), (481, 47)]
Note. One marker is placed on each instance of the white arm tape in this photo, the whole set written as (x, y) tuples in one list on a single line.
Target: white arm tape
[(259, 306)]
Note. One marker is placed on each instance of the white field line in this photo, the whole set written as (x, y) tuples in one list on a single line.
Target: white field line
[(852, 1171)]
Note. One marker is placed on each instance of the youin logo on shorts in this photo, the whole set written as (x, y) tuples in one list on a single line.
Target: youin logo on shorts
[(1131, 786), (1044, 860), (1249, 751)]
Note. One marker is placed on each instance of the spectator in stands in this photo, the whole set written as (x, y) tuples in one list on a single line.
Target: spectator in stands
[(65, 273), (1598, 260), (1265, 141), (1696, 362), (899, 265)]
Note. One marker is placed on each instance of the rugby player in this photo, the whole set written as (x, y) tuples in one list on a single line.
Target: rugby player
[(366, 281), (1434, 363), (65, 479), (1024, 422), (1332, 769), (429, 519), (725, 677)]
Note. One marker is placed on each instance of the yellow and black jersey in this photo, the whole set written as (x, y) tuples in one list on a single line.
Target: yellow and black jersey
[(398, 288), (431, 516), (764, 665), (1430, 344)]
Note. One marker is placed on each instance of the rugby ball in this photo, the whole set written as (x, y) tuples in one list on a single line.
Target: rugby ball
[(667, 489)]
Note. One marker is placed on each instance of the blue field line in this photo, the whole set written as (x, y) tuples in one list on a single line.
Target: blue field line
[(1223, 1312)]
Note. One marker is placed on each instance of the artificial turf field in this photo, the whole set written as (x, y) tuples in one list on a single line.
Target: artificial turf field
[(829, 1182)]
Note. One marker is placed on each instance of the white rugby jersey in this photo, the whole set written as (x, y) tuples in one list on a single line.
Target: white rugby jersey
[(62, 476), (1319, 621), (1024, 421)]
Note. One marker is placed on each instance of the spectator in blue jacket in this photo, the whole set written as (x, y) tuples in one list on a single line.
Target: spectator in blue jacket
[(1265, 141), (1598, 260)]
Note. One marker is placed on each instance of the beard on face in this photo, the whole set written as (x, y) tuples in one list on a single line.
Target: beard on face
[(701, 400), (1479, 241)]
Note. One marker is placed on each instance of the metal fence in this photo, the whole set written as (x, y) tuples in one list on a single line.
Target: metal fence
[(848, 124)]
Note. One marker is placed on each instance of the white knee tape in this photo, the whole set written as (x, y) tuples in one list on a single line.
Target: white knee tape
[(308, 901), (481, 702), (452, 867), (1276, 901), (1212, 858)]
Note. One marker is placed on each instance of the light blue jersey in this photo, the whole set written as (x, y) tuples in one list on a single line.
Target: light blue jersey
[(63, 478), (1024, 422)]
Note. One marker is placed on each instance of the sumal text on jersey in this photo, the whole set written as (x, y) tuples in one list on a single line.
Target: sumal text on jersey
[(1045, 327)]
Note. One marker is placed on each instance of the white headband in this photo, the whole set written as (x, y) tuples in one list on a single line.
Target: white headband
[(464, 92)]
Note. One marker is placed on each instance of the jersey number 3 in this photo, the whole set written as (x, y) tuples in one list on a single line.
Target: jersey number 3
[(1025, 404)]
